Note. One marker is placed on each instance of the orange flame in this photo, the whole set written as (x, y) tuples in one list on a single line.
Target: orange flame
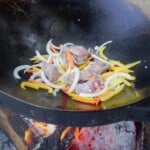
[(38, 130), (27, 137), (77, 133)]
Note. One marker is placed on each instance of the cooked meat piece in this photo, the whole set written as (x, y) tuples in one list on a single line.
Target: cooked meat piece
[(117, 136), (51, 72), (89, 86), (80, 54), (93, 69)]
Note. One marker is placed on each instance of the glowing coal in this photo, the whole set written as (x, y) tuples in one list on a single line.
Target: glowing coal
[(120, 135)]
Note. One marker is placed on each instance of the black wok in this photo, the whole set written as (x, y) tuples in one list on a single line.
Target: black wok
[(86, 23)]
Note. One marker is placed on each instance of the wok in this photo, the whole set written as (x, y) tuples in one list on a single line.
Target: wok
[(29, 26)]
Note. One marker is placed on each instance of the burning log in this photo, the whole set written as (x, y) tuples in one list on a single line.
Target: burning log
[(6, 126)]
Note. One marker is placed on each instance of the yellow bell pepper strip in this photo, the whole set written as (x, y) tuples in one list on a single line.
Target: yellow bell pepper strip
[(119, 81), (101, 52), (36, 85), (35, 58), (116, 63), (113, 93), (106, 74), (127, 83), (120, 69), (130, 65), (81, 67), (125, 68)]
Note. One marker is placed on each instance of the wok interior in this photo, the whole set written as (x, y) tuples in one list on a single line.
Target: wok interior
[(88, 23)]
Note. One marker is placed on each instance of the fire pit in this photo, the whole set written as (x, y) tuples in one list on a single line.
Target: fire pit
[(26, 133)]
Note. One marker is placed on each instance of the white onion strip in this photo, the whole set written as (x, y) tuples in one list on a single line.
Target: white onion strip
[(68, 44), (107, 83), (17, 69), (49, 83), (40, 56), (106, 43), (49, 51), (96, 57), (102, 45), (76, 79), (54, 45), (58, 66), (35, 75)]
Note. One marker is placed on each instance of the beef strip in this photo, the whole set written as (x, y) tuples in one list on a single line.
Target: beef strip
[(90, 86), (51, 72), (95, 68), (79, 53)]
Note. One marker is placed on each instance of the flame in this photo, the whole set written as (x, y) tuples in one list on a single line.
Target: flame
[(27, 137), (65, 132), (77, 133), (38, 130)]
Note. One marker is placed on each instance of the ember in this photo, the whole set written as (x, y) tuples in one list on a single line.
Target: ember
[(121, 135)]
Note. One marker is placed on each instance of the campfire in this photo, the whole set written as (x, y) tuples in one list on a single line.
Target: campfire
[(121, 135), (29, 134)]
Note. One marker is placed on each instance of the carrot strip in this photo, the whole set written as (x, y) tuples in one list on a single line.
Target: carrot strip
[(90, 57), (32, 70), (53, 49), (70, 59), (65, 89), (104, 94), (65, 132), (81, 98)]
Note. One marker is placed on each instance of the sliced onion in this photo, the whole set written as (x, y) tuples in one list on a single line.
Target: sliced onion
[(96, 57), (56, 63), (64, 75), (17, 69), (102, 45), (50, 83), (68, 44), (49, 43), (76, 79), (54, 45), (35, 75), (106, 43), (40, 56)]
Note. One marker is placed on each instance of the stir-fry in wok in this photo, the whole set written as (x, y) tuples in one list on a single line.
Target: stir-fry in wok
[(84, 75)]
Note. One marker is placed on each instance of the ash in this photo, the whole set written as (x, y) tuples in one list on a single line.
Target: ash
[(5, 143)]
